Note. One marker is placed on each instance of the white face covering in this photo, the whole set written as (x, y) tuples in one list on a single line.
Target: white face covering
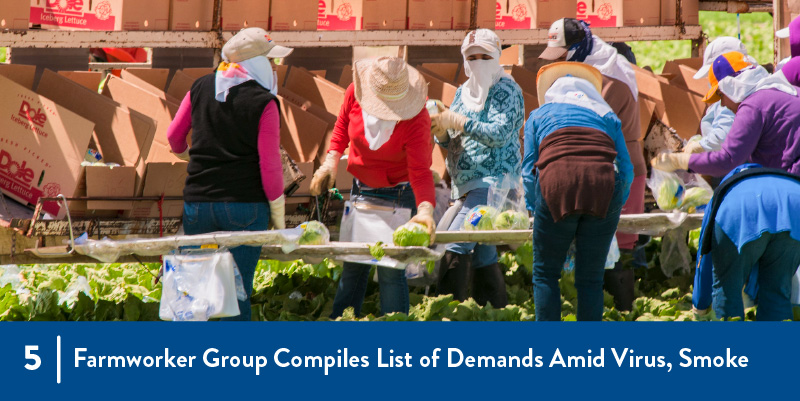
[(233, 74), (578, 92), (377, 131), (753, 80), (605, 58), (483, 74)]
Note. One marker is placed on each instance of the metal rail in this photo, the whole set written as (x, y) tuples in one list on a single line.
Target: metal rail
[(736, 7)]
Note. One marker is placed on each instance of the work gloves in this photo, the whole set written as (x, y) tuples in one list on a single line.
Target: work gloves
[(693, 146), (325, 175), (183, 155), (424, 216), (447, 120), (277, 213), (671, 161)]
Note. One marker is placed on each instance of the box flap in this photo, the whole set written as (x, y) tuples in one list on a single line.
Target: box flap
[(280, 71), (318, 90), (684, 77), (89, 79), (102, 181), (317, 111), (197, 73), (180, 85), (347, 76), (438, 89), (446, 71), (301, 131), (153, 76), (21, 74), (646, 110), (526, 79)]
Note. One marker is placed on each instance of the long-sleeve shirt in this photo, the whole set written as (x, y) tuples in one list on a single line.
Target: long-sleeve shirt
[(268, 143), (715, 126), (766, 131), (554, 116), (405, 157), (488, 148), (619, 97)]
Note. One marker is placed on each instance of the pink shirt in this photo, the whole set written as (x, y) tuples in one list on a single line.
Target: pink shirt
[(269, 141)]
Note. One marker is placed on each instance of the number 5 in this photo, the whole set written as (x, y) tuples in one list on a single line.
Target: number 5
[(30, 355)]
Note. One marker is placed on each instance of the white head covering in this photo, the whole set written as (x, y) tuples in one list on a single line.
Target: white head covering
[(483, 74), (232, 74), (718, 47), (377, 131), (605, 58), (578, 92), (750, 81)]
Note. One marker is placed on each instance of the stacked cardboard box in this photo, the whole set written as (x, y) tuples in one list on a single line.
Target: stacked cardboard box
[(532, 14), (616, 13), (238, 14), (294, 15), (107, 15), (15, 14), (678, 103)]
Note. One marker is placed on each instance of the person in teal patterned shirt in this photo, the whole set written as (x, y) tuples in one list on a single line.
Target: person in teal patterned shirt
[(481, 134)]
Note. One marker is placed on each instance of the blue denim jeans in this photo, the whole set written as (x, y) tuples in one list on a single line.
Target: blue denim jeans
[(482, 255), (392, 282), (777, 257), (207, 217), (551, 242)]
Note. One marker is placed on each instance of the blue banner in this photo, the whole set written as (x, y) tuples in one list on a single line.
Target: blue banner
[(439, 360)]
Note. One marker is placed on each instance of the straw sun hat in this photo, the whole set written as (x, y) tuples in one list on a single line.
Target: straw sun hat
[(389, 89), (550, 73)]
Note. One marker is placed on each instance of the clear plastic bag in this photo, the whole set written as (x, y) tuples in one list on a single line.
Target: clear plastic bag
[(199, 285), (314, 233), (480, 218), (507, 197), (611, 259), (679, 190), (696, 193)]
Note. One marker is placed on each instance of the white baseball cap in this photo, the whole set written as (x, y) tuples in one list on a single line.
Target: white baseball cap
[(250, 43), (718, 47), (563, 34)]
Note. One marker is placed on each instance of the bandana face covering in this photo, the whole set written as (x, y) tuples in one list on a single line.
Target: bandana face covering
[(256, 69), (483, 74), (377, 131)]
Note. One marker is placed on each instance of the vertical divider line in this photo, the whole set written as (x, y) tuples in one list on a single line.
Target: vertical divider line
[(58, 359)]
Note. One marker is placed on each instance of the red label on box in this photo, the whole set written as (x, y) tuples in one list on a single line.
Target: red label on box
[(68, 17), (344, 18)]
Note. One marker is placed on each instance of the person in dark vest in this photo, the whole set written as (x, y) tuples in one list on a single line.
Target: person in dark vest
[(577, 176), (235, 180), (750, 224)]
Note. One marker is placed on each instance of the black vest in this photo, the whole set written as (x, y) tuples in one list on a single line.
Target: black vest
[(224, 164)]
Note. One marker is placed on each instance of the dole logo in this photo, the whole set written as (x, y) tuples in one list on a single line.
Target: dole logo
[(66, 6), (35, 116), (14, 169)]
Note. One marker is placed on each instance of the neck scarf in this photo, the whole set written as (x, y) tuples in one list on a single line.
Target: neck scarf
[(377, 131), (483, 74), (605, 58), (578, 92), (740, 87), (579, 51), (255, 69)]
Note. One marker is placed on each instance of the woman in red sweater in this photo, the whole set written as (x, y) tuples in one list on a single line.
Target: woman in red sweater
[(385, 124)]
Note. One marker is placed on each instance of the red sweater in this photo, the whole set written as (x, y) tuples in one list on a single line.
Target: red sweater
[(405, 157)]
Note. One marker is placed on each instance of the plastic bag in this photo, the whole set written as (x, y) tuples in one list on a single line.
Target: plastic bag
[(314, 233), (199, 285), (696, 193), (667, 189), (480, 218), (507, 197), (611, 259)]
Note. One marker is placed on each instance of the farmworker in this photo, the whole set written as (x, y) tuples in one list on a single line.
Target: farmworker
[(572, 39), (481, 135), (235, 180), (792, 32), (767, 125), (750, 224), (717, 121), (384, 122), (577, 176)]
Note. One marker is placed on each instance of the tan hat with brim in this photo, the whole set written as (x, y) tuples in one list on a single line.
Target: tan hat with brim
[(389, 89), (250, 43), (548, 75)]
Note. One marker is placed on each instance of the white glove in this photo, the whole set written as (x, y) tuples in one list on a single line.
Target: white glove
[(183, 155), (694, 146), (325, 174), (699, 312), (671, 161), (277, 213), (425, 217), (449, 120)]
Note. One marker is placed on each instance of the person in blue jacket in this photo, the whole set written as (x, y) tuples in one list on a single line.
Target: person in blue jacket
[(577, 174), (751, 231)]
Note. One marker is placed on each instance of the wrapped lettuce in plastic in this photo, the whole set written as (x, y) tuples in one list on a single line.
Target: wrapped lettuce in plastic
[(695, 197), (314, 233), (480, 218), (411, 234), (667, 189), (511, 220)]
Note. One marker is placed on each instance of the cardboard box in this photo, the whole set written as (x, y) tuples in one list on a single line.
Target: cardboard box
[(197, 72), (88, 79), (191, 15), (600, 13), (42, 146), (294, 15), (301, 132), (340, 15), (446, 71), (486, 16), (690, 12), (531, 14), (347, 76), (694, 63), (153, 76), (317, 90), (307, 168), (238, 14), (526, 79), (384, 14), (21, 74), (105, 15), (641, 12), (683, 76), (438, 88), (317, 111), (166, 179), (344, 180), (15, 14), (439, 160), (678, 108), (180, 85), (430, 14), (121, 135), (281, 70), (646, 110)]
